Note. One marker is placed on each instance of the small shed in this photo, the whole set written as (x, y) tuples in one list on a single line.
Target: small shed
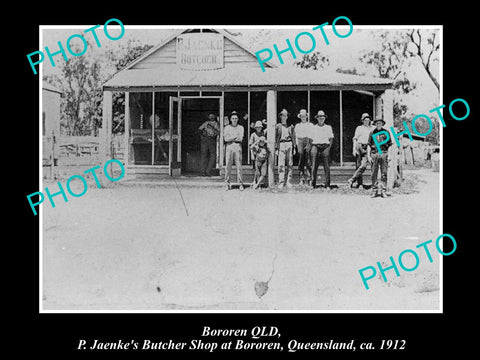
[(50, 122)]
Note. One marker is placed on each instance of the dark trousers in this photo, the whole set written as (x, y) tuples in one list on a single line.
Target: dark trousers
[(208, 151), (379, 161), (303, 158), (320, 151)]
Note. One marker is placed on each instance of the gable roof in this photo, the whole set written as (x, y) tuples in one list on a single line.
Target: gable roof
[(236, 74), (181, 31)]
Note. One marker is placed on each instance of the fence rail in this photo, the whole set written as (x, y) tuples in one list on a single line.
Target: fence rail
[(78, 150)]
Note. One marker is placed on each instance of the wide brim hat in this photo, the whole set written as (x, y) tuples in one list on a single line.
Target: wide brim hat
[(377, 120), (302, 112), (364, 116), (258, 123), (320, 113)]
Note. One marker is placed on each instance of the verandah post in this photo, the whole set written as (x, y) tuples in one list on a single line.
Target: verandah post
[(105, 133), (271, 122)]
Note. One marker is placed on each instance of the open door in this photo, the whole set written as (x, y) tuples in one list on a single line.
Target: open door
[(175, 130)]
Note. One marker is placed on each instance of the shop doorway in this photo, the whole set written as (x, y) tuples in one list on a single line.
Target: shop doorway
[(195, 111)]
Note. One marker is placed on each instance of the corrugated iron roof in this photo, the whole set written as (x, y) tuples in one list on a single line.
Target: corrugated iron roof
[(238, 76)]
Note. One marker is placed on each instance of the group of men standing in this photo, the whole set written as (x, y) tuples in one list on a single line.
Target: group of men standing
[(311, 141)]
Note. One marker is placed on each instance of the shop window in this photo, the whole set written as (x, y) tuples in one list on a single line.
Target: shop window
[(140, 139), (162, 135), (149, 128)]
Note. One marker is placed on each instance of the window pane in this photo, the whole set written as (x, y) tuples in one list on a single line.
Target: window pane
[(162, 134), (140, 139), (189, 93)]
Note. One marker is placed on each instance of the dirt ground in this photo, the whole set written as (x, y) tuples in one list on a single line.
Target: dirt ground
[(143, 248)]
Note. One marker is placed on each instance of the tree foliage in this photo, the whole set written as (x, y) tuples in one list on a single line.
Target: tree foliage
[(80, 81), (426, 46), (389, 59), (313, 61)]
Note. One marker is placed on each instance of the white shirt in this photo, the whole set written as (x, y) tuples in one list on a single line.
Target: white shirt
[(303, 130), (362, 133), (321, 134), (233, 133)]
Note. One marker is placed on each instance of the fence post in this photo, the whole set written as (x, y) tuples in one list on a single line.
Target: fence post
[(271, 122)]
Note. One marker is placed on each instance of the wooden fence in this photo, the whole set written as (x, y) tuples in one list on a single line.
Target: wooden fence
[(78, 150)]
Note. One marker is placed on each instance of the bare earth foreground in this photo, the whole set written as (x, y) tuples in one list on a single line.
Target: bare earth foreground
[(135, 248)]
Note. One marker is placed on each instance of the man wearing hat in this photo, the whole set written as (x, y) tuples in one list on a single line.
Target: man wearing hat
[(378, 160), (209, 131), (233, 137), (360, 143), (254, 139), (303, 132), (322, 139), (284, 144)]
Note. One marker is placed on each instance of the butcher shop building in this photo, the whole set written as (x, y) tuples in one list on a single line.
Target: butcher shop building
[(198, 71)]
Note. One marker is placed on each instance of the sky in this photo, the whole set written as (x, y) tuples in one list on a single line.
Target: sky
[(342, 52)]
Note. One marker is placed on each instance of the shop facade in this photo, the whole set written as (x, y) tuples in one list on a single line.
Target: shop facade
[(171, 89)]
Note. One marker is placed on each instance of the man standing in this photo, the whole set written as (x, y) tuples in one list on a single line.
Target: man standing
[(379, 160), (360, 143), (209, 131), (233, 136), (284, 144), (303, 132), (322, 139), (254, 137)]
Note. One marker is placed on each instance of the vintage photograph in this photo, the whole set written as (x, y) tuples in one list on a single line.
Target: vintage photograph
[(259, 169)]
